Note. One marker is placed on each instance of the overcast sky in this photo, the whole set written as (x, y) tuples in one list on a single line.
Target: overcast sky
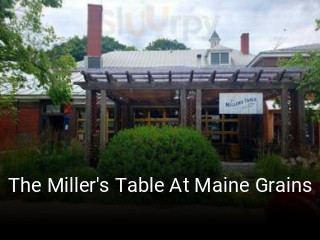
[(271, 23)]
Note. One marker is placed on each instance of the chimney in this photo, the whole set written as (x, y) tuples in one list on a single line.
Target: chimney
[(245, 43), (94, 36)]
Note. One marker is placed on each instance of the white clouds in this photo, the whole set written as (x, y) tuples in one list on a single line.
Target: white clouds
[(191, 21)]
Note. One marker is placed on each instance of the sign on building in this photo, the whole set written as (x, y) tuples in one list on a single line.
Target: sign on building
[(241, 103)]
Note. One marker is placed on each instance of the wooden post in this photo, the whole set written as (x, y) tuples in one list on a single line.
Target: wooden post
[(130, 116), (284, 122), (302, 119), (183, 107), (198, 109), (103, 106), (116, 117), (88, 127)]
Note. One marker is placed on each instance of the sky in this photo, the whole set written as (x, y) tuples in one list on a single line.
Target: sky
[(270, 23)]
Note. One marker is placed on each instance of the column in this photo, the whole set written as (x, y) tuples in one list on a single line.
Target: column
[(284, 122), (88, 127), (183, 107), (198, 109), (103, 106)]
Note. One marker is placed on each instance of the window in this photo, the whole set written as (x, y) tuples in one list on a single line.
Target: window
[(158, 117), (224, 58), (219, 58), (215, 58)]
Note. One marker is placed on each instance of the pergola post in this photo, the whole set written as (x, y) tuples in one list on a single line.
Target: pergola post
[(301, 119), (116, 116), (130, 116), (198, 109), (284, 122), (183, 107), (103, 106), (88, 127)]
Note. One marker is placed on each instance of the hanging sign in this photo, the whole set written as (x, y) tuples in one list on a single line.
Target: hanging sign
[(241, 103)]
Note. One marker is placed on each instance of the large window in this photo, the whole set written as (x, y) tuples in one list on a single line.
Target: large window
[(222, 130), (156, 116), (219, 58), (81, 122)]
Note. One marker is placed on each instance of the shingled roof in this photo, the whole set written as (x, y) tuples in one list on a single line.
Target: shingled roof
[(286, 52)]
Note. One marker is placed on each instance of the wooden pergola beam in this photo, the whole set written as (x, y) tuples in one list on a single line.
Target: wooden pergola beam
[(150, 78), (218, 85), (129, 77), (258, 76), (170, 76), (235, 76), (212, 76), (191, 76), (109, 77), (281, 75)]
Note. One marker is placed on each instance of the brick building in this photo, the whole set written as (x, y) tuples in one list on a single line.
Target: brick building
[(36, 113)]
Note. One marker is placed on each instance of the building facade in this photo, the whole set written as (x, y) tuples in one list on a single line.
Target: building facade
[(235, 136)]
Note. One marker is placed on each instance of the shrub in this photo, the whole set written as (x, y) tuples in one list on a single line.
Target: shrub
[(305, 174), (270, 166), (37, 165), (163, 153), (83, 174)]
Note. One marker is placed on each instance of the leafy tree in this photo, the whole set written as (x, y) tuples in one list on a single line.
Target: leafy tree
[(77, 46), (311, 80), (23, 45), (166, 44), (109, 44)]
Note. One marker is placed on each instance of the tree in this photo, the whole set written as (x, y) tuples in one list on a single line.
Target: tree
[(311, 80), (109, 44), (77, 46), (166, 44), (23, 52)]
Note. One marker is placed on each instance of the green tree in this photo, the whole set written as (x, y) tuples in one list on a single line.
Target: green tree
[(311, 80), (166, 44), (23, 52), (77, 46)]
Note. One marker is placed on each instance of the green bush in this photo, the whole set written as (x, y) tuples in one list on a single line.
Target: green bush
[(270, 166), (304, 174), (163, 153), (83, 174), (37, 165)]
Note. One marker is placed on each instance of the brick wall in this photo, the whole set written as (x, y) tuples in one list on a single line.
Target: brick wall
[(22, 130), (8, 131)]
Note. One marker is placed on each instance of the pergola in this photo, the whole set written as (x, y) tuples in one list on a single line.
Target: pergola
[(153, 85)]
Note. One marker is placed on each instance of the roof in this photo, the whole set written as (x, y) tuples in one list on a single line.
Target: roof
[(214, 35), (302, 48), (31, 88), (286, 52), (139, 59), (169, 58)]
